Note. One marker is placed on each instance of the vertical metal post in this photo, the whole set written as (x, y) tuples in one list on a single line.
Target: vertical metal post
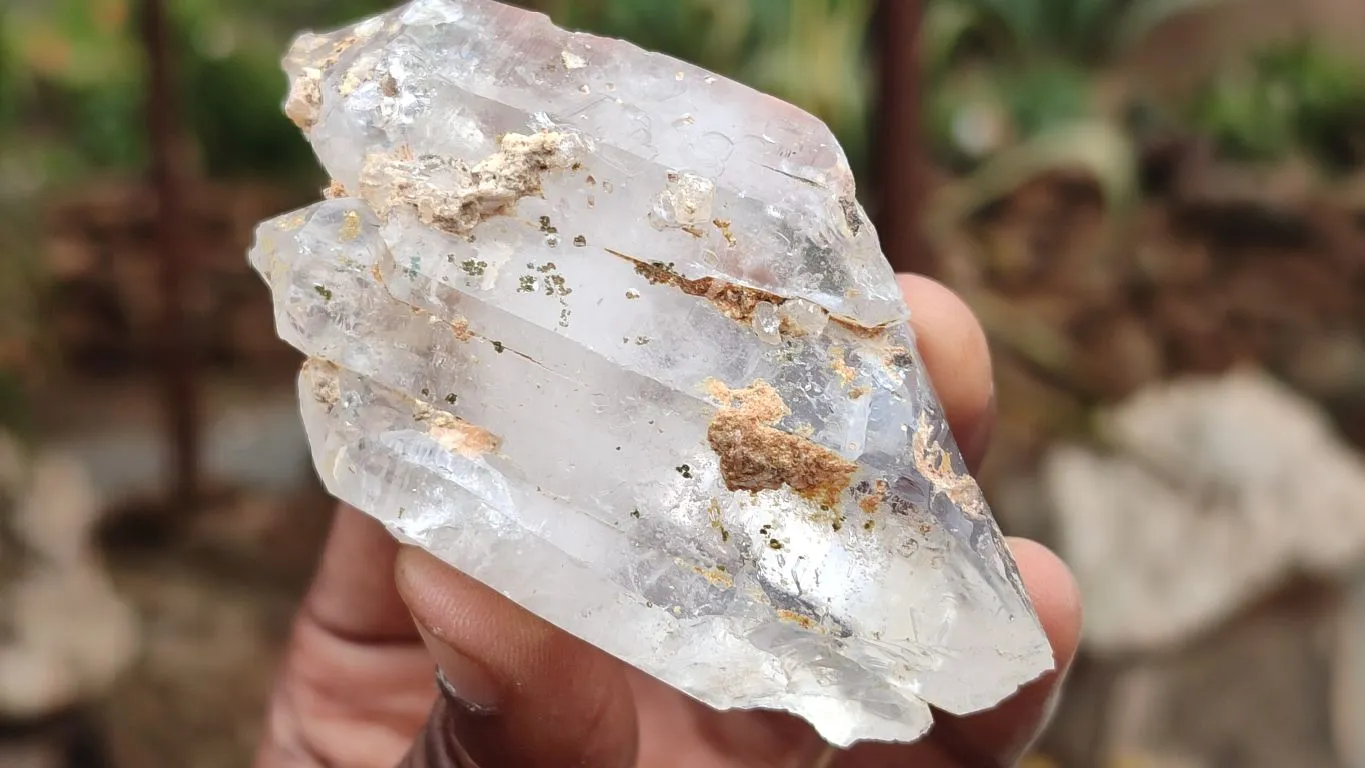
[(174, 353), (898, 145)]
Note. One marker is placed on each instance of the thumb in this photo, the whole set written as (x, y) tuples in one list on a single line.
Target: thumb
[(515, 691)]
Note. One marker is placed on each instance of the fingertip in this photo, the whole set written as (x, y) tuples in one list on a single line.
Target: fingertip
[(1055, 595), (1002, 735), (957, 356), (353, 593)]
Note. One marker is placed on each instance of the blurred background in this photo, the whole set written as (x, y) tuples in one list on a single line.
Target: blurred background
[(1156, 207)]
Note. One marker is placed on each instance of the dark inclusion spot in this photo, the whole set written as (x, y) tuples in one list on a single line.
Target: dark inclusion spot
[(905, 494), (851, 215), (498, 347), (684, 470)]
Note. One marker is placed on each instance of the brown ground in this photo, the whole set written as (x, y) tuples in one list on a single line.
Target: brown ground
[(216, 604)]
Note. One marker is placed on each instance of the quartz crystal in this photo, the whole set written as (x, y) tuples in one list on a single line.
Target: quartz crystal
[(613, 335)]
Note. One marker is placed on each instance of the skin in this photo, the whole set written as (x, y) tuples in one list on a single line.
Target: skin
[(357, 690)]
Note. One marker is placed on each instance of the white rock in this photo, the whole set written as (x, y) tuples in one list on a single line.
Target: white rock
[(1215, 491), (65, 634)]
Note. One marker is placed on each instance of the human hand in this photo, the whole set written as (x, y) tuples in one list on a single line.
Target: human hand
[(357, 688)]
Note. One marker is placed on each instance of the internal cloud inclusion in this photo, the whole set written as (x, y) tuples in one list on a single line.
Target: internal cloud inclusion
[(613, 335)]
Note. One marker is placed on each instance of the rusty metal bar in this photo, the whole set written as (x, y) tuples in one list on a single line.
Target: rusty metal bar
[(175, 353), (898, 147)]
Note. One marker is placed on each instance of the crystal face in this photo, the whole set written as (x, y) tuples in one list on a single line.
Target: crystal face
[(612, 335)]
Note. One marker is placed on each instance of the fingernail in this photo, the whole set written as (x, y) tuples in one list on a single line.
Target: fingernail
[(462, 680)]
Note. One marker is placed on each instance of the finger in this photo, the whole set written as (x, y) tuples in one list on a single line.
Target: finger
[(957, 357), (1006, 732), (355, 686), (523, 692), (1001, 736), (677, 730), (353, 594)]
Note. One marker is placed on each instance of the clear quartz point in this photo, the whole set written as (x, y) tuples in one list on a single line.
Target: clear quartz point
[(613, 335)]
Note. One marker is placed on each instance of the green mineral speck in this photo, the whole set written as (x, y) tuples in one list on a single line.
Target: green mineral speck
[(324, 292), (555, 285)]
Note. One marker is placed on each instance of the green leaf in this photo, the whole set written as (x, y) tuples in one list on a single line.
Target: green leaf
[(947, 24)]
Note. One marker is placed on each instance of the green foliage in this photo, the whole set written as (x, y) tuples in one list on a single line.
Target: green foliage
[(1042, 56), (70, 88), (1083, 34), (1288, 98), (106, 125), (1007, 77), (1046, 98), (72, 85), (230, 72), (240, 130), (73, 69)]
